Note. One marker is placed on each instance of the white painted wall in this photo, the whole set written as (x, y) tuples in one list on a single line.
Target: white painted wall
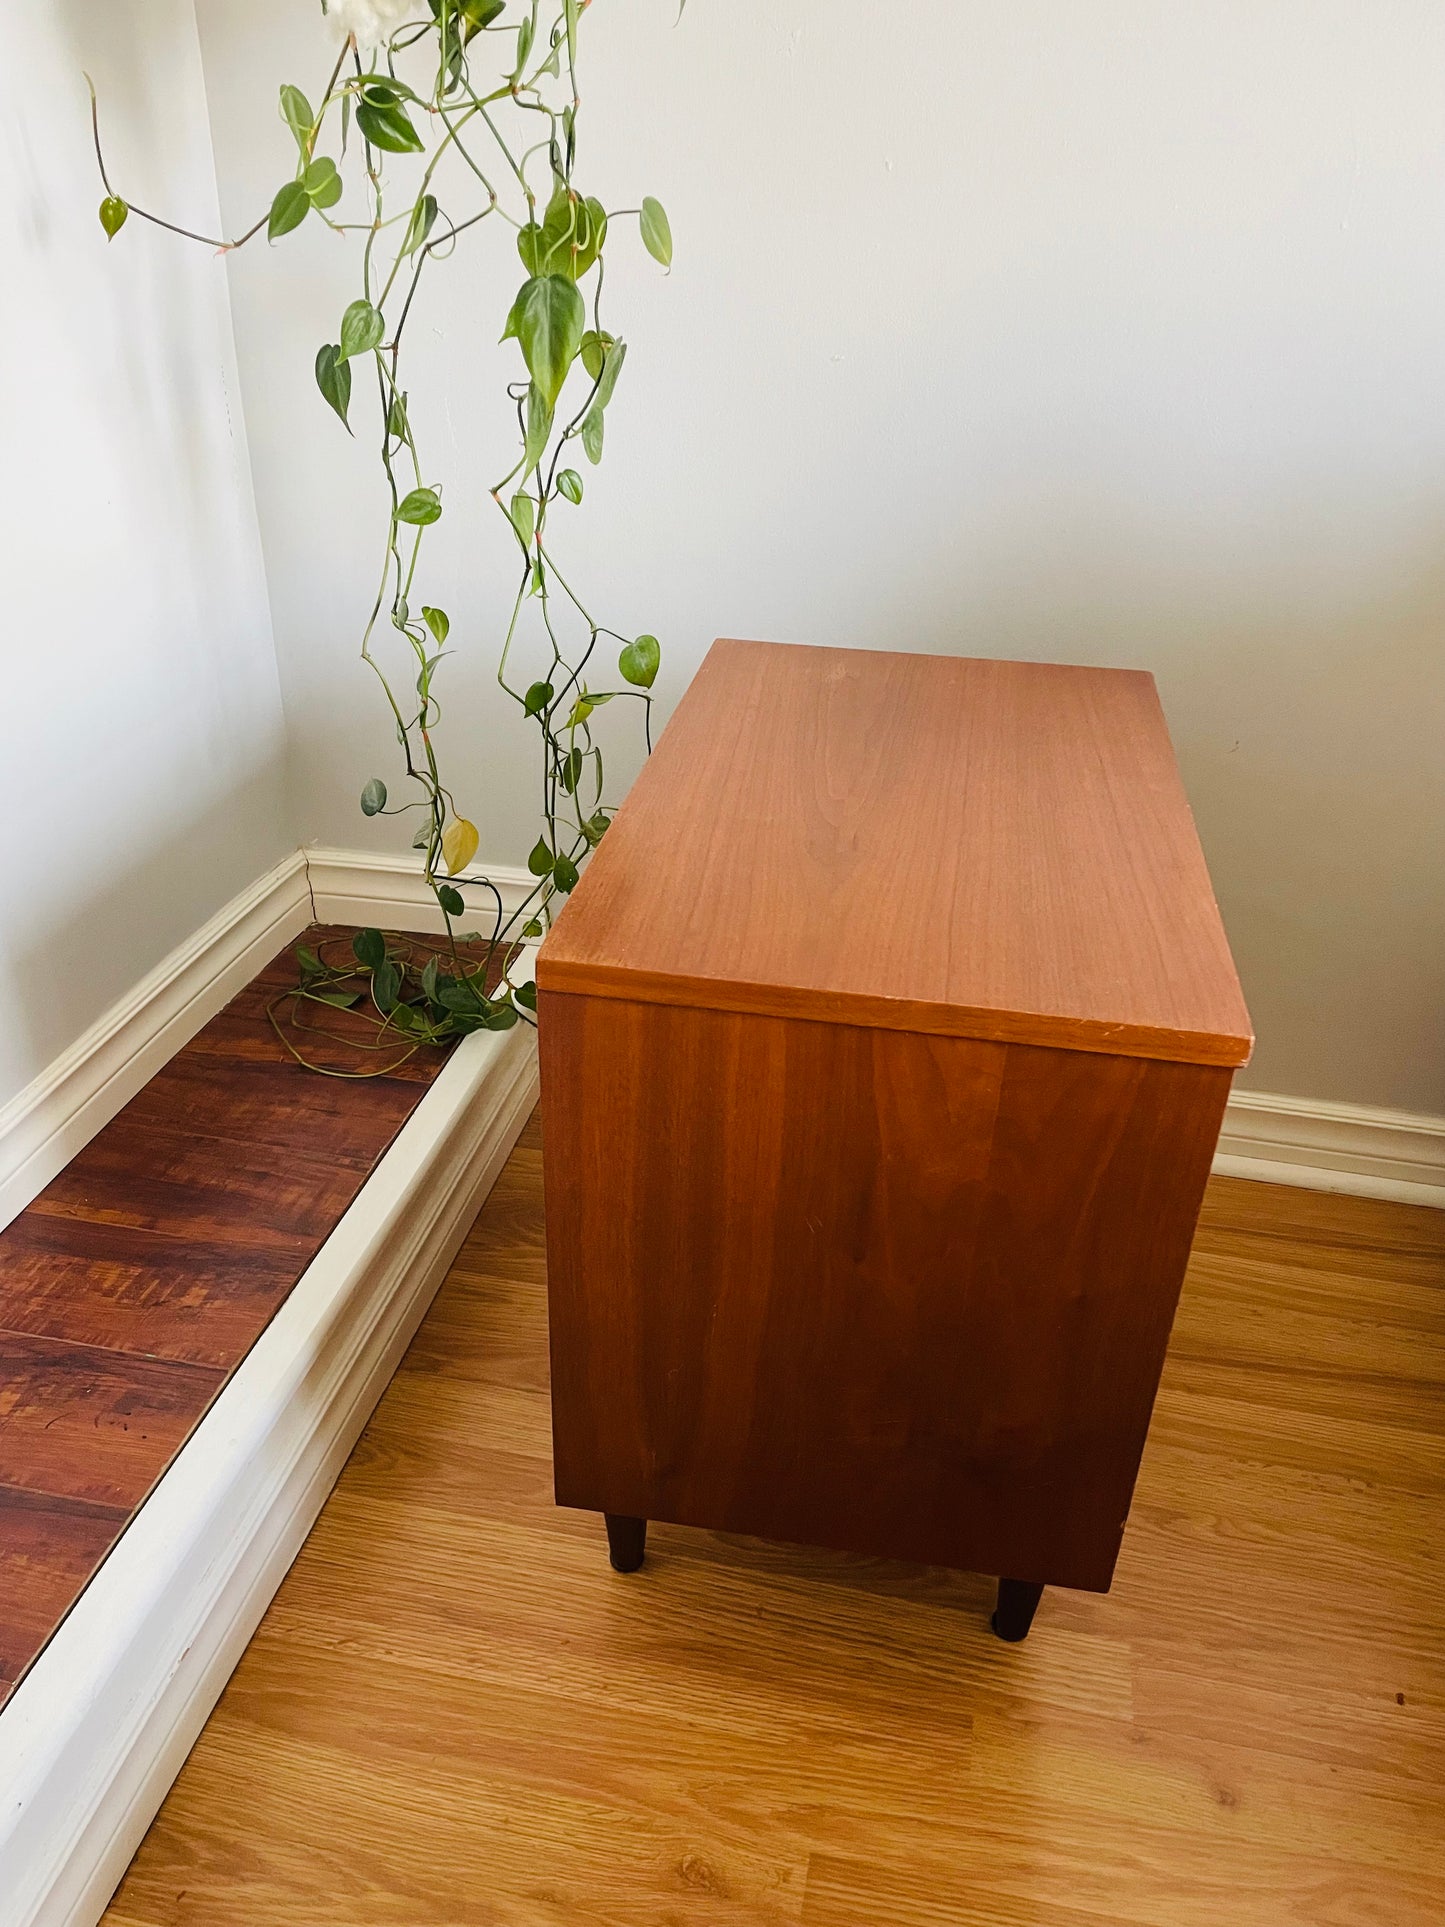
[(140, 726), (1108, 334)]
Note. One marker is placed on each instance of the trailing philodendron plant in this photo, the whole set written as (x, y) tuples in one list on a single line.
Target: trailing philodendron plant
[(483, 94)]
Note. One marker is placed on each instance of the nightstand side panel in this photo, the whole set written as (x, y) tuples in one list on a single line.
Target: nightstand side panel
[(899, 1294)]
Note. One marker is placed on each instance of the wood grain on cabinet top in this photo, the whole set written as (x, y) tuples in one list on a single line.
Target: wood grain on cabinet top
[(936, 843)]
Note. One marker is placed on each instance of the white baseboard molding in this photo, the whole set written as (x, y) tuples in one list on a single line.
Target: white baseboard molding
[(56, 1115), (45, 1125), (98, 1729), (1280, 1140), (1321, 1146), (390, 891)]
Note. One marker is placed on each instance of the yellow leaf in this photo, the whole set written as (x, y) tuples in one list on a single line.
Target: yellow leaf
[(459, 844)]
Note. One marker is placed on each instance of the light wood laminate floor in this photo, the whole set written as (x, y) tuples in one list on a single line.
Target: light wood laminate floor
[(455, 1712)]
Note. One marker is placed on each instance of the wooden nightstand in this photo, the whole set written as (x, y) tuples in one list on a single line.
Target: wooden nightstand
[(885, 1044)]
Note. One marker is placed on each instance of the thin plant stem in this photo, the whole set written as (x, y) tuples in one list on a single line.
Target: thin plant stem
[(394, 996)]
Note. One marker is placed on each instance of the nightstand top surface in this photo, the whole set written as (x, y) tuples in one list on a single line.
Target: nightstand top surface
[(947, 844)]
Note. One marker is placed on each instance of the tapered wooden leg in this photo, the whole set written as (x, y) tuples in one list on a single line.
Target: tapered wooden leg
[(1017, 1603), (626, 1541)]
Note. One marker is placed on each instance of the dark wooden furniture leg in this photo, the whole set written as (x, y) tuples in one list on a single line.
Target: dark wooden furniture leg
[(1018, 1601), (627, 1542)]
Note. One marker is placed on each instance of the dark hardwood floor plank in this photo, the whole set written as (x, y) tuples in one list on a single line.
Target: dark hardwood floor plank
[(258, 1102), (199, 1300), (82, 1423), (139, 1174), (139, 1279), (49, 1548)]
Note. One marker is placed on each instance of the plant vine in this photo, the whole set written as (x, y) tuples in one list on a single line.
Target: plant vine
[(493, 125)]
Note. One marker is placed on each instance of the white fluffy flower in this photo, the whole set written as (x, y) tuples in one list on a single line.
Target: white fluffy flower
[(372, 21)]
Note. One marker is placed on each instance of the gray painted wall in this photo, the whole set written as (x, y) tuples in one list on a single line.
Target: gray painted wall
[(1107, 334), (141, 734)]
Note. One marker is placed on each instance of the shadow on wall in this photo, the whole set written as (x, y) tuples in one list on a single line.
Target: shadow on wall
[(1300, 656), (141, 732), (1299, 712), (1329, 827), (76, 961)]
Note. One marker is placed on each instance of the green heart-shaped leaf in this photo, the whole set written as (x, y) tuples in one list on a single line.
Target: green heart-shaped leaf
[(594, 351), (369, 948), (385, 123), (612, 362), (423, 219), (613, 354), (361, 330), (568, 239), (656, 233), (333, 378), (422, 506), (297, 114), (322, 182), (289, 209), (386, 985), (547, 319), (639, 662)]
